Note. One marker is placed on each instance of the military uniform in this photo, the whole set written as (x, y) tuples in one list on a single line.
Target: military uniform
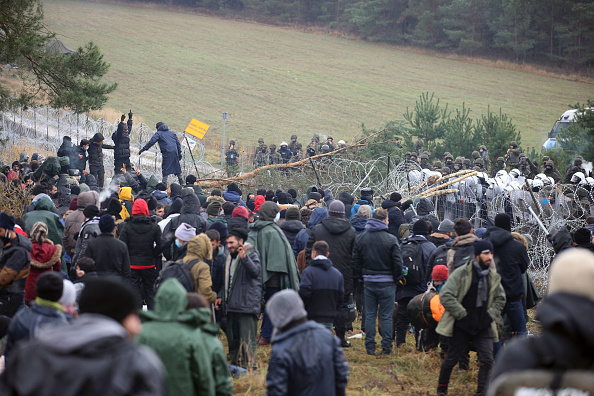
[(274, 157), (513, 154), (425, 161), (293, 143), (550, 171), (485, 156), (500, 165), (261, 158), (231, 159)]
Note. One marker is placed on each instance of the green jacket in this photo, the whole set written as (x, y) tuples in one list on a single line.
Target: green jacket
[(43, 212), (194, 362), (50, 167), (453, 292), (276, 255)]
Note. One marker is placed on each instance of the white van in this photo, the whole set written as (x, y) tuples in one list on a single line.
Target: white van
[(561, 124)]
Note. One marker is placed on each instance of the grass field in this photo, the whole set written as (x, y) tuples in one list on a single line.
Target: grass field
[(175, 66)]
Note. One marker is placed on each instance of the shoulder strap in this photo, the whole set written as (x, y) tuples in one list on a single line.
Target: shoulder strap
[(193, 263)]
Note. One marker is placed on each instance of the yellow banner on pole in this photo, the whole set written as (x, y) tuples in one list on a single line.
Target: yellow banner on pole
[(197, 128)]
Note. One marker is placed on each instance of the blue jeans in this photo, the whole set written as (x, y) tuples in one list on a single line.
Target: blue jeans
[(266, 330), (382, 295), (515, 312)]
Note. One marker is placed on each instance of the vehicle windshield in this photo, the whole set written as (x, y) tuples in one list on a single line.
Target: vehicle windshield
[(559, 126)]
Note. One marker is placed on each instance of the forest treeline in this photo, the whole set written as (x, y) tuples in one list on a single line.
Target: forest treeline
[(556, 33)]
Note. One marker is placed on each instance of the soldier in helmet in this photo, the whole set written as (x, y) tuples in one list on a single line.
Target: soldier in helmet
[(292, 143), (414, 157), (313, 147), (261, 158), (425, 161), (479, 163), (475, 155), (437, 166), (449, 160), (298, 153), (458, 164), (485, 156), (274, 157), (465, 163), (513, 154), (527, 168), (576, 167), (500, 165), (285, 153), (330, 143), (231, 159), (550, 171), (544, 163)]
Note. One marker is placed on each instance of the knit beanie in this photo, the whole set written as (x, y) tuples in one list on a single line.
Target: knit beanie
[(240, 211), (73, 204), (6, 221), (161, 186), (83, 187), (446, 226), (284, 308), (395, 197), (582, 236), (214, 208), (107, 296), (481, 246), (292, 214), (480, 232), (420, 227), (151, 203), (91, 211), (185, 232), (268, 211), (336, 209), (572, 272), (221, 228), (315, 196), (439, 273), (68, 293), (106, 224), (502, 220), (49, 286), (140, 207)]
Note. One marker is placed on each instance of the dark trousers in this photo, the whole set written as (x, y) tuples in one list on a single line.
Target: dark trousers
[(514, 310), (379, 297), (118, 164), (143, 281), (99, 173), (241, 336), (402, 322), (266, 330), (459, 343), (179, 178), (360, 302), (340, 324), (10, 303)]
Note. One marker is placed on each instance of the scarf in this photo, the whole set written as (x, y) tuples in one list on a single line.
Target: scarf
[(483, 283)]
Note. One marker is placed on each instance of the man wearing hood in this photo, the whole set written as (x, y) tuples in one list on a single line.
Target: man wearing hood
[(347, 199), (160, 194), (175, 335), (303, 198), (292, 225), (511, 260), (143, 238), (279, 269), (121, 141), (396, 211), (338, 233), (43, 212), (75, 220), (95, 154), (189, 214), (95, 353), (53, 166), (566, 340), (170, 151), (233, 194), (378, 263), (306, 359), (15, 265), (241, 298), (366, 199), (199, 250)]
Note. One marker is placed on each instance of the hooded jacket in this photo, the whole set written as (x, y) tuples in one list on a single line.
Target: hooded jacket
[(291, 228), (511, 260), (105, 360), (242, 290), (461, 249), (359, 224), (170, 149), (15, 263), (95, 152), (303, 198), (376, 252), (142, 236), (75, 219), (306, 360), (110, 255), (233, 196), (340, 236), (161, 197), (91, 181), (44, 257), (190, 214), (275, 254), (200, 248), (566, 341), (43, 212), (322, 290), (121, 140), (395, 216), (194, 360), (302, 237)]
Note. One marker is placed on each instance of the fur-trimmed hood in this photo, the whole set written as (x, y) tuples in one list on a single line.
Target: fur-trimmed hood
[(216, 198), (46, 255)]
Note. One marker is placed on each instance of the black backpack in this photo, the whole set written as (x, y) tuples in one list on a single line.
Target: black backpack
[(462, 255), (179, 271), (440, 256), (412, 257)]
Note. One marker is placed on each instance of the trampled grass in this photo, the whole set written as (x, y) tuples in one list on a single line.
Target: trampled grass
[(274, 81)]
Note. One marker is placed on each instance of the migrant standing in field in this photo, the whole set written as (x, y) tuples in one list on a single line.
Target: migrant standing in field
[(170, 150)]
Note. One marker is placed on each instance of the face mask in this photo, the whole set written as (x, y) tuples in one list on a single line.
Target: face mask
[(178, 243)]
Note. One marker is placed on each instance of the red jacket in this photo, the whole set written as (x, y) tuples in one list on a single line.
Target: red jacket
[(45, 257)]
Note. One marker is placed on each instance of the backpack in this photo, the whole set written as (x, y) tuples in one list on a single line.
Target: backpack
[(179, 271), (441, 256), (412, 258), (462, 255)]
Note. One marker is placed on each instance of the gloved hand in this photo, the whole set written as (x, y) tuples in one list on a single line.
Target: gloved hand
[(130, 114), (123, 118), (141, 151)]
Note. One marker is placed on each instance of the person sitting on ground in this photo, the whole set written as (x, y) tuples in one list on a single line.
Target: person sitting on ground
[(306, 359)]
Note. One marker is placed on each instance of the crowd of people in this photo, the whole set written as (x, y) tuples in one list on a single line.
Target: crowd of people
[(81, 263)]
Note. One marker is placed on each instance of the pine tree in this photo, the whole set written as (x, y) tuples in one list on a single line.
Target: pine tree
[(496, 131), (65, 81), (428, 121)]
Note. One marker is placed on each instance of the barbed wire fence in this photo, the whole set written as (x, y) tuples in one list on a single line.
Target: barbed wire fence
[(45, 128)]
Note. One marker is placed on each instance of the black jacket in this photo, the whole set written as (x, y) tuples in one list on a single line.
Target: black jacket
[(322, 290), (566, 341), (237, 222), (395, 216), (190, 214), (121, 140), (340, 236), (95, 152), (376, 252), (110, 255), (347, 199), (291, 228), (511, 259), (143, 238)]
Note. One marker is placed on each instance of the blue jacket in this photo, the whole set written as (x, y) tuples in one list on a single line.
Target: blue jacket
[(170, 149), (233, 196), (359, 224), (356, 207), (306, 360), (161, 197), (321, 289)]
